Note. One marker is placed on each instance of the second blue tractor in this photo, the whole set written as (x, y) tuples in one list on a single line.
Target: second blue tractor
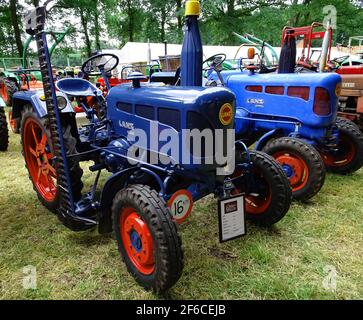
[(292, 117)]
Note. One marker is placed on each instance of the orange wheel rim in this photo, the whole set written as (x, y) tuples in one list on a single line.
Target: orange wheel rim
[(257, 201), (38, 159), (137, 241), (4, 93), (345, 154), (295, 168), (13, 122)]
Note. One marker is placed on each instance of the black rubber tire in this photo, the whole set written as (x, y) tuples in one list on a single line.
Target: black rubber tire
[(351, 133), (4, 132), (75, 170), (343, 121), (266, 171), (169, 257), (312, 159), (10, 87)]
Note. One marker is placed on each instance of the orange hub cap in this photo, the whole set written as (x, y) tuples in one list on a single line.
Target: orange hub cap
[(137, 240), (37, 156)]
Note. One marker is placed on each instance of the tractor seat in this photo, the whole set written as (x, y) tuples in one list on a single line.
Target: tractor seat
[(77, 87), (168, 78)]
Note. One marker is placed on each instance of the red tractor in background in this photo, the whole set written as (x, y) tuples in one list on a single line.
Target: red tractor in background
[(351, 95), (307, 35), (116, 78)]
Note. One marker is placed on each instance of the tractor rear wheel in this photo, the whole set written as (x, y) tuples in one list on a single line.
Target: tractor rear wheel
[(38, 155), (4, 134), (147, 238), (302, 164), (268, 191), (14, 123), (343, 121), (349, 156), (7, 90)]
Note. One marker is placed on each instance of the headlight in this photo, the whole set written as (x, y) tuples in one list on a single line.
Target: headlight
[(62, 102)]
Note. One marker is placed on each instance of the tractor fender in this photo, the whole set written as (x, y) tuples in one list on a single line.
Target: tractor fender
[(35, 99), (113, 185), (242, 123), (306, 140), (277, 133), (266, 138)]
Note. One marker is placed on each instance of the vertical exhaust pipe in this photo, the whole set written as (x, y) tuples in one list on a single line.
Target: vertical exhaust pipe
[(325, 49), (192, 51)]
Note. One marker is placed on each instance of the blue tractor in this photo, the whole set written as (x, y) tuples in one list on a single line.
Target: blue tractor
[(149, 187), (292, 117)]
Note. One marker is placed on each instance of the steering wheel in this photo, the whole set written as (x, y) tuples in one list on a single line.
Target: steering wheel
[(215, 62), (339, 60), (104, 61)]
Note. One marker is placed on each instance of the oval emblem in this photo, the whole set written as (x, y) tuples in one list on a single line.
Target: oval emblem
[(226, 114), (181, 205)]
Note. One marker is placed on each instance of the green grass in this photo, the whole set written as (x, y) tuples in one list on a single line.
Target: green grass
[(284, 262)]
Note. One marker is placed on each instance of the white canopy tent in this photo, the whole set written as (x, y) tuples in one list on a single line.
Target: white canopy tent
[(134, 52), (140, 52)]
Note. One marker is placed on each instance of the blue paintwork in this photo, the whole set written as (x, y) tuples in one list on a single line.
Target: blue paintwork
[(107, 139), (204, 101), (77, 87), (136, 241), (288, 170), (263, 112), (21, 98), (32, 98), (192, 54)]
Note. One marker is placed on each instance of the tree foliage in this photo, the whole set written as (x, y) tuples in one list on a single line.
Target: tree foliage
[(103, 24)]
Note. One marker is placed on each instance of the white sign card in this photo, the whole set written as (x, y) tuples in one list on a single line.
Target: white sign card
[(231, 218)]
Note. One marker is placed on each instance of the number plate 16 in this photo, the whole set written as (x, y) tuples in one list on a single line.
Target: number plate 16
[(181, 205)]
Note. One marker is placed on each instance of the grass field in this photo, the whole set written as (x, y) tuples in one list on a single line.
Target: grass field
[(288, 261)]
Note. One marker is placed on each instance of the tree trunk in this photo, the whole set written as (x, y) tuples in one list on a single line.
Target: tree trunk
[(131, 21), (230, 7), (180, 18), (85, 32), (15, 23), (97, 30), (162, 24)]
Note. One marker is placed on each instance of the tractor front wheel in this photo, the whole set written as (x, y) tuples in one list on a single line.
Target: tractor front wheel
[(268, 191), (302, 164), (39, 160), (7, 90), (4, 134), (348, 157), (147, 238)]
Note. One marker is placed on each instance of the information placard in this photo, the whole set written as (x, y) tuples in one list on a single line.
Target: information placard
[(231, 218)]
